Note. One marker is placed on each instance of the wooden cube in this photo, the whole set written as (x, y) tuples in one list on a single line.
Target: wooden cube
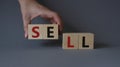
[(70, 41), (42, 31), (35, 31), (50, 31), (86, 41)]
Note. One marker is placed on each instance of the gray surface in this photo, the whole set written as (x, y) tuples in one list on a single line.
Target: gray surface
[(98, 16)]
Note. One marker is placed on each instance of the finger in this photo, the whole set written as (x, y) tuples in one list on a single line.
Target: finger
[(25, 23), (57, 20)]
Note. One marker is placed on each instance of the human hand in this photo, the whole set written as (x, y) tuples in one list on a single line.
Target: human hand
[(31, 9)]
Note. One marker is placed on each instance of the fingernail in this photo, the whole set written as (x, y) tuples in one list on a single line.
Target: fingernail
[(25, 35)]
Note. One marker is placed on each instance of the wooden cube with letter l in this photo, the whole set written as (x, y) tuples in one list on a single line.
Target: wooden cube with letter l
[(70, 41), (86, 41), (42, 31)]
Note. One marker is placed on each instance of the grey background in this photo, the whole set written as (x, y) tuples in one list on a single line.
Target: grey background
[(100, 17)]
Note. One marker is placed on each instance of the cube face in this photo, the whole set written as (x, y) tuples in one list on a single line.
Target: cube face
[(86, 41), (70, 41), (37, 28), (50, 31), (42, 31)]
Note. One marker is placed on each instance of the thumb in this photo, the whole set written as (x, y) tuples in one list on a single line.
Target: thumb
[(25, 23)]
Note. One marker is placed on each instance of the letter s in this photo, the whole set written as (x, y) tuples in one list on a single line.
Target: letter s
[(35, 31)]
